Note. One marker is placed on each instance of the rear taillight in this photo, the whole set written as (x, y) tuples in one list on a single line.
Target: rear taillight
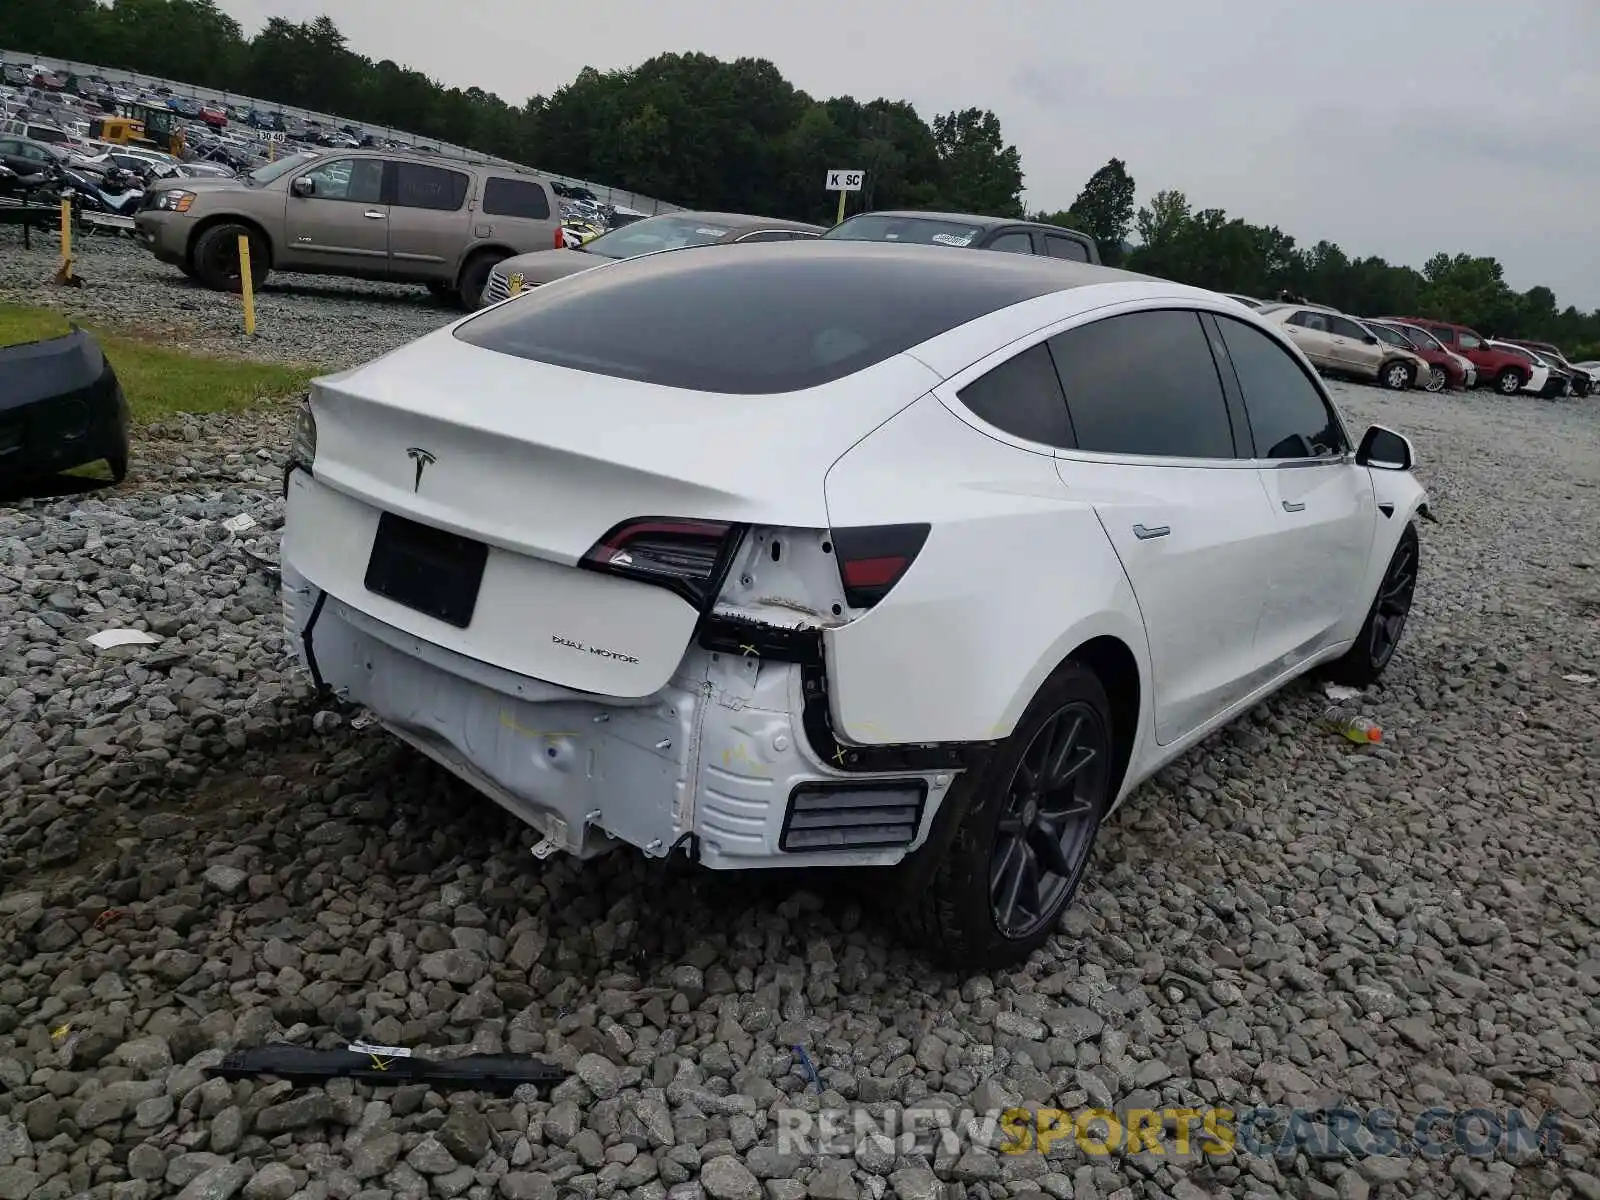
[(685, 556), (873, 558)]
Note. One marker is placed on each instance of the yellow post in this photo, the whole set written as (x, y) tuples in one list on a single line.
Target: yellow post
[(66, 238), (246, 288), (272, 151), (840, 218)]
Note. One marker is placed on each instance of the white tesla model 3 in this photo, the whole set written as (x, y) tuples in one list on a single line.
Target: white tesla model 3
[(841, 554)]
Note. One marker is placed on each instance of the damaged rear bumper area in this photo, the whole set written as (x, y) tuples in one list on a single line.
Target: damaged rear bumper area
[(720, 762), (61, 407)]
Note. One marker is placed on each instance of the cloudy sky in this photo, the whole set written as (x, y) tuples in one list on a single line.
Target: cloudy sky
[(1393, 127)]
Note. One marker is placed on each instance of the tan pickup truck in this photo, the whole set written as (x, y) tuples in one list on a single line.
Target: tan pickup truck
[(366, 214)]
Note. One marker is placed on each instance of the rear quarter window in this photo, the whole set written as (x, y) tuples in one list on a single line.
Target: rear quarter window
[(515, 198)]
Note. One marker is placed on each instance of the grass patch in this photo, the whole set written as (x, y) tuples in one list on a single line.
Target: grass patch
[(160, 380)]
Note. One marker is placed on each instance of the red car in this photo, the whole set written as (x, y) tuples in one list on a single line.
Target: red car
[(214, 117), (1506, 372), (1449, 370)]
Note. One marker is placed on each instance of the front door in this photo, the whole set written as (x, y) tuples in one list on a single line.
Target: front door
[(1321, 502), (1357, 350), (343, 224)]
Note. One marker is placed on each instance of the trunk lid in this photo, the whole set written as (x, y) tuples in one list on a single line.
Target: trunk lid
[(538, 463)]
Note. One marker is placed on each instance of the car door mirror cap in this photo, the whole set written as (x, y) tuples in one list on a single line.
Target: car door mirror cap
[(1371, 339), (1383, 449), (304, 186)]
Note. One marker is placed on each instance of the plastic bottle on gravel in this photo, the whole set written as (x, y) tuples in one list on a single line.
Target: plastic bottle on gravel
[(1347, 725)]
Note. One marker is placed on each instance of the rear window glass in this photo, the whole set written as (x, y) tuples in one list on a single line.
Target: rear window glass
[(749, 320), (515, 198), (928, 231), (657, 233)]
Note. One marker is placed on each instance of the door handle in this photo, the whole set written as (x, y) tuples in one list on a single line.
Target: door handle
[(374, 213), (1145, 533), (1291, 506)]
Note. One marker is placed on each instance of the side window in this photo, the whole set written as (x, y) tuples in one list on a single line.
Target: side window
[(766, 235), (418, 186), (1288, 416), (358, 180), (515, 198), (1065, 247), (1013, 243), (1444, 334), (1347, 328), (1023, 397), (1468, 342), (1144, 383)]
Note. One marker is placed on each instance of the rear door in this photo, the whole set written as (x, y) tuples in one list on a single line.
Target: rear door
[(343, 224), (1013, 241), (1310, 330), (1321, 502), (1154, 446), (428, 222)]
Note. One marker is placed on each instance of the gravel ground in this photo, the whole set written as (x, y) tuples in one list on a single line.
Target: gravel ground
[(197, 857), (299, 318)]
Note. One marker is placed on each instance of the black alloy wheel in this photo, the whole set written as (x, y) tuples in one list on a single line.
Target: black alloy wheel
[(1047, 825), (1394, 603)]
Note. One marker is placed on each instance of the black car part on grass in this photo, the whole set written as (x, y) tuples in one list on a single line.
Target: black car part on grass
[(61, 407)]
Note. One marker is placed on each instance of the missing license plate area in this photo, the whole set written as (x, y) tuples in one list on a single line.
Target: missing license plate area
[(426, 569)]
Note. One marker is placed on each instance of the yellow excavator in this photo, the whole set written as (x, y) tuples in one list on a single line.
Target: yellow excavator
[(141, 125)]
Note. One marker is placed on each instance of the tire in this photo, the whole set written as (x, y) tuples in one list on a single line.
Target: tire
[(1437, 380), (1508, 382), (956, 916), (1386, 620), (475, 277), (444, 293), (118, 466), (216, 257), (1396, 376)]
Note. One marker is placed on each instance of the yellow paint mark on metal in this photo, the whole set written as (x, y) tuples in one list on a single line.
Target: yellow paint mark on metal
[(60, 1031), (738, 754), (507, 721)]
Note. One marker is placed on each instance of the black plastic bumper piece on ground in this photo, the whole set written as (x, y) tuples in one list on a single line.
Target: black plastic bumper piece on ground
[(499, 1073), (743, 638), (61, 407)]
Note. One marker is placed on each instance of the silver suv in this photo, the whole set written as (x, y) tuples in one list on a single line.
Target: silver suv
[(366, 214)]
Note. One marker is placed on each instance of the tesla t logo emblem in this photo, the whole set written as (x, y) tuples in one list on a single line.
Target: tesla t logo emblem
[(422, 458)]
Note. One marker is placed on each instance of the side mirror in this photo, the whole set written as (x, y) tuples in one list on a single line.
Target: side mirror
[(1371, 339), (304, 186), (1385, 450)]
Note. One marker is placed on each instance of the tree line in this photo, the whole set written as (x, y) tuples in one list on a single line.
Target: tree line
[(698, 131)]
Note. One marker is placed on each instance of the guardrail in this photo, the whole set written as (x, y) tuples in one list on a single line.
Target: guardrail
[(606, 194)]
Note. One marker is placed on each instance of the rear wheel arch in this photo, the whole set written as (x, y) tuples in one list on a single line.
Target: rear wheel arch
[(492, 251), (1113, 662)]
